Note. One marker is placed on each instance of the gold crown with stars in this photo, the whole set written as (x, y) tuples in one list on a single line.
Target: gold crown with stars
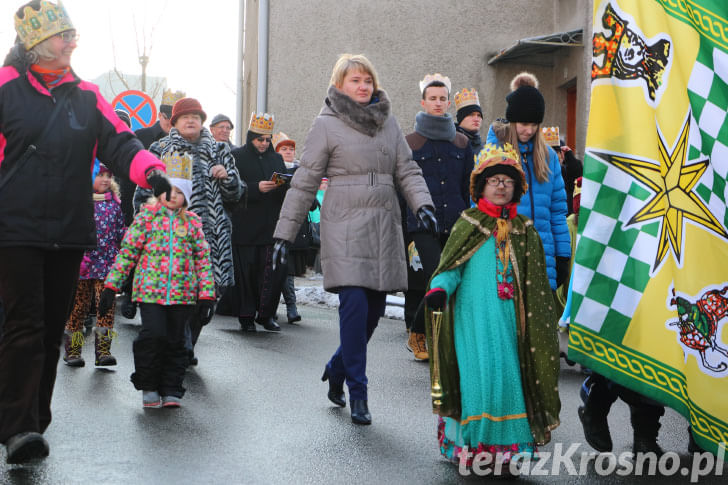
[(466, 97), (492, 154), (35, 26), (261, 123), (178, 165)]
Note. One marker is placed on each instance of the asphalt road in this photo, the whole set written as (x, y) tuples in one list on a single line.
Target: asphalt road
[(256, 412)]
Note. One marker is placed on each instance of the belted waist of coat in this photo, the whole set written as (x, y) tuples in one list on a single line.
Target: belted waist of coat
[(371, 178)]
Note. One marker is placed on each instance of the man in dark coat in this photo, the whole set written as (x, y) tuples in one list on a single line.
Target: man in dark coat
[(257, 285), (446, 159)]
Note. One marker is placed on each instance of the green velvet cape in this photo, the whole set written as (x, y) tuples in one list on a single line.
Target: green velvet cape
[(536, 321)]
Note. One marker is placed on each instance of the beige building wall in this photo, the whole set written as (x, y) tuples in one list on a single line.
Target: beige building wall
[(408, 39)]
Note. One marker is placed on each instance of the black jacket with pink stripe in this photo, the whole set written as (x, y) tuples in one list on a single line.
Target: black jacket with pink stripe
[(47, 201)]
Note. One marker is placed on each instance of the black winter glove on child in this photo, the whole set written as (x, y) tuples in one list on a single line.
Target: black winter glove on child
[(436, 299), (205, 309), (160, 183), (562, 270), (106, 300)]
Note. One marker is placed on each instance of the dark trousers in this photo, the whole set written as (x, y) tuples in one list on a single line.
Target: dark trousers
[(429, 248), (359, 312), (160, 357), (258, 285), (645, 413), (36, 288), (289, 292)]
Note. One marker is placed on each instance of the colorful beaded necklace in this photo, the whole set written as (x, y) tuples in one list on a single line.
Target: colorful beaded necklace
[(503, 214)]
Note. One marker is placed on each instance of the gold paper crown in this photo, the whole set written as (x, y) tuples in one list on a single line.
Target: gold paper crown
[(430, 78), (494, 154), (38, 25), (551, 135), (261, 123), (466, 97), (169, 97), (178, 166)]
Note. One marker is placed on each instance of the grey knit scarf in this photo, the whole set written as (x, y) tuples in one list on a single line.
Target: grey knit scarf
[(435, 127)]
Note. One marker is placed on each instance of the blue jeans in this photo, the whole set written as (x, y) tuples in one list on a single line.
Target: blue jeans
[(359, 312)]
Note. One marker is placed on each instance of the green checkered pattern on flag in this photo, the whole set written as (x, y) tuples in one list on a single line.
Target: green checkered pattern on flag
[(612, 262), (708, 94)]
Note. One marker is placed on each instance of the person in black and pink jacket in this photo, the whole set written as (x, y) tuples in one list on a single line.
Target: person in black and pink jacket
[(52, 125)]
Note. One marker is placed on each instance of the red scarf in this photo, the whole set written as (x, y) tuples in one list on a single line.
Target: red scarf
[(507, 211), (50, 77)]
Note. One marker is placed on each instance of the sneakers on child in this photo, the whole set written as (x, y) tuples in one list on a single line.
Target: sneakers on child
[(151, 399), (171, 401)]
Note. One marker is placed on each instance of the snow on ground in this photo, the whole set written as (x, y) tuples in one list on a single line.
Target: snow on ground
[(310, 291)]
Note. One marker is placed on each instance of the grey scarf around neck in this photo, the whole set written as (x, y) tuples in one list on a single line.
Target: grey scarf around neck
[(435, 127)]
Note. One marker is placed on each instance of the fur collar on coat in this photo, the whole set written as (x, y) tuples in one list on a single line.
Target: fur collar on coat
[(367, 119)]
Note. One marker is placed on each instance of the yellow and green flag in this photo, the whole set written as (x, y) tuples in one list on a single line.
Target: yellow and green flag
[(650, 282)]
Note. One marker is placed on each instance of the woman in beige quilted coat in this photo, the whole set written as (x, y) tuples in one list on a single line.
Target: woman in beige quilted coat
[(358, 145)]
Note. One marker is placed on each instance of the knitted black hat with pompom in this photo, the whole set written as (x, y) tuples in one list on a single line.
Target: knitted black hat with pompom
[(525, 105)]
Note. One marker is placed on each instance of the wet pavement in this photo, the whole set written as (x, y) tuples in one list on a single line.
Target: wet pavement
[(256, 412)]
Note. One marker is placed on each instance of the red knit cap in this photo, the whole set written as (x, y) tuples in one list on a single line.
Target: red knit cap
[(186, 106)]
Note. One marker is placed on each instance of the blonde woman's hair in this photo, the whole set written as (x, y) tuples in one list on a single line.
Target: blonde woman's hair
[(353, 62), (115, 188), (540, 151)]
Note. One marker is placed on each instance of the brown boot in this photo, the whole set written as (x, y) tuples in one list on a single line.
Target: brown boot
[(104, 336), (417, 344), (72, 345)]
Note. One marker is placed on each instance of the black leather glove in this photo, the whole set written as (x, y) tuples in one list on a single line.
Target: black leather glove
[(205, 309), (106, 299), (436, 299), (128, 309), (160, 183), (426, 218), (280, 252), (562, 270)]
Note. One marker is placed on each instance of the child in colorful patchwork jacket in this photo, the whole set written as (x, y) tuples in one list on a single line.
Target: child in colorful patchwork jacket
[(173, 279), (94, 268)]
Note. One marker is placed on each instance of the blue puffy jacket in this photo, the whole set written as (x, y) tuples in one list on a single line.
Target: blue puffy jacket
[(545, 203)]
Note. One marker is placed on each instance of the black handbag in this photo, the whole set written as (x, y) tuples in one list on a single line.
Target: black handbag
[(304, 238)]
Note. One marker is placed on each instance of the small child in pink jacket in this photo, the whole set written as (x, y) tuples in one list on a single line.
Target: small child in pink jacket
[(94, 268), (173, 279)]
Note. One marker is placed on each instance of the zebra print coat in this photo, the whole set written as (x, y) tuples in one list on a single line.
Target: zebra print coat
[(209, 195)]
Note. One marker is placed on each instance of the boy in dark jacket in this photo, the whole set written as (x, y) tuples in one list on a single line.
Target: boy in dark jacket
[(446, 159)]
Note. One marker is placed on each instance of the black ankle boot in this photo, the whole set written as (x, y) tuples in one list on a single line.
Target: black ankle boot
[(336, 391), (593, 415), (646, 424), (360, 412)]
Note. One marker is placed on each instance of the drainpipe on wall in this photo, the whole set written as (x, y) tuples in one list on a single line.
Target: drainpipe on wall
[(262, 97), (240, 84)]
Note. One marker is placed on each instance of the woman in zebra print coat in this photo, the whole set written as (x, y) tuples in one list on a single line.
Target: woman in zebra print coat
[(216, 183)]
